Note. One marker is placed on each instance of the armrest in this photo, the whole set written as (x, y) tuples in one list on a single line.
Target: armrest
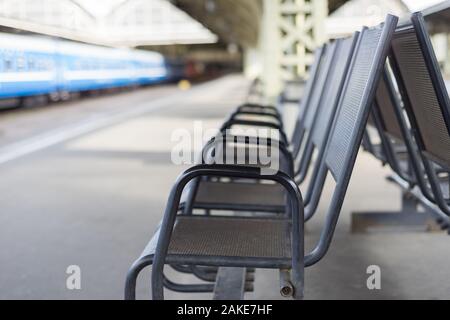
[(256, 113), (258, 106), (255, 123), (249, 141)]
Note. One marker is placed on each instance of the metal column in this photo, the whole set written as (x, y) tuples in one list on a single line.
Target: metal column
[(447, 58), (291, 30)]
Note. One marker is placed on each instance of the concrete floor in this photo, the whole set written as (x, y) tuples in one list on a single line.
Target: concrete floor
[(93, 196)]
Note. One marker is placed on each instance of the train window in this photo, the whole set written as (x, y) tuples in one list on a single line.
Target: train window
[(21, 63), (43, 65), (78, 65), (85, 65), (31, 64), (7, 64), (40, 65), (49, 65)]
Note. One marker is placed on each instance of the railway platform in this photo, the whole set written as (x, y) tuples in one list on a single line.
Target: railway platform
[(87, 183)]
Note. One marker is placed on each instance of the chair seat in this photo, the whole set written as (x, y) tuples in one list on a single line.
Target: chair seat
[(240, 196), (231, 238)]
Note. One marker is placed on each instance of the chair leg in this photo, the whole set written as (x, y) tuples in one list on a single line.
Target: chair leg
[(130, 283), (138, 266), (230, 284), (298, 255)]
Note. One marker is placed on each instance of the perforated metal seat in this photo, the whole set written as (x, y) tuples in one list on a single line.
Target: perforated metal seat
[(232, 237)]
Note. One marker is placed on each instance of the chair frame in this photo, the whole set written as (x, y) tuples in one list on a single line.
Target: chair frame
[(157, 250)]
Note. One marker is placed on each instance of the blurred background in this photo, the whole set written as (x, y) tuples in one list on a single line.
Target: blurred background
[(90, 95), (53, 50)]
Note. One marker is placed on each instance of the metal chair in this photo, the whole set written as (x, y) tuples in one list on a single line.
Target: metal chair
[(427, 106), (400, 152), (250, 242), (243, 196)]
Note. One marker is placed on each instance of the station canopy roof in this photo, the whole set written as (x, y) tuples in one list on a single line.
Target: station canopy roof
[(354, 14), (235, 21), (135, 23), (140, 22), (109, 22)]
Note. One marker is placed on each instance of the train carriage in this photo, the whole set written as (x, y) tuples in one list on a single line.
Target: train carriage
[(33, 65)]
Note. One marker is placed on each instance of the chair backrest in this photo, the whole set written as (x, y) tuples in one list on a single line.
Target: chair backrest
[(309, 106), (310, 83), (332, 90), (327, 105), (358, 96), (393, 125), (322, 80), (385, 104), (423, 89), (353, 110), (394, 131)]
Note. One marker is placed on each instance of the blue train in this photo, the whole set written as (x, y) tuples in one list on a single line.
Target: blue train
[(40, 66)]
